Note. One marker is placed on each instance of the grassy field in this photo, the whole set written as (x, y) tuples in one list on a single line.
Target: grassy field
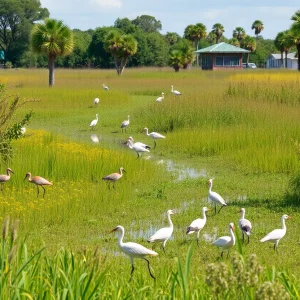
[(240, 128)]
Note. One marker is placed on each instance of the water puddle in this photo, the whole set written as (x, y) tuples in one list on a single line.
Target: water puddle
[(210, 237)]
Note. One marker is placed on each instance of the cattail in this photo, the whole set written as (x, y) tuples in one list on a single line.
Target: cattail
[(5, 228), (12, 253), (14, 232)]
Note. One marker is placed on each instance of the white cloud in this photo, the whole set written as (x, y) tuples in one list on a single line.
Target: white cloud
[(106, 4)]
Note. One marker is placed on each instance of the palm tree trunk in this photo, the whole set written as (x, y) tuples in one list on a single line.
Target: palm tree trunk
[(51, 71), (281, 59), (298, 50), (197, 46), (286, 61)]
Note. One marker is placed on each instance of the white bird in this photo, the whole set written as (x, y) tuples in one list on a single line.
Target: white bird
[(105, 87), (137, 147), (226, 242), (5, 177), (133, 250), (215, 197), (276, 235), (154, 135), (125, 124), (159, 99), (175, 92), (94, 122), (23, 130), (96, 101), (114, 176), (163, 234), (38, 181), (198, 224), (94, 138), (245, 225)]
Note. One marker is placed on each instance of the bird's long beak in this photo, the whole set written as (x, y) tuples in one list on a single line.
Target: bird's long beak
[(113, 230), (233, 228), (174, 212), (208, 209), (12, 171), (25, 177), (124, 171), (289, 217)]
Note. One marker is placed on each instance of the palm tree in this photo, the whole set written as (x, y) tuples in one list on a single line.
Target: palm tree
[(175, 60), (211, 37), (218, 30), (195, 33), (258, 26), (53, 39), (188, 55), (121, 47), (239, 33), (295, 33), (287, 43), (249, 43), (279, 45), (234, 42)]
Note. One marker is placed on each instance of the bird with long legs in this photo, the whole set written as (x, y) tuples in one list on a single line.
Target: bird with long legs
[(154, 135), (138, 147), (133, 250), (105, 87), (38, 181), (112, 178), (198, 224), (162, 235), (161, 98), (276, 235), (245, 225), (96, 101), (94, 122), (226, 242), (5, 177), (175, 92), (215, 197), (125, 124)]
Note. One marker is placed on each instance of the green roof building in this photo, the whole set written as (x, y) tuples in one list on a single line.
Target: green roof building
[(221, 56)]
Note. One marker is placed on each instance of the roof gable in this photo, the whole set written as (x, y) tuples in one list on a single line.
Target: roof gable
[(222, 48)]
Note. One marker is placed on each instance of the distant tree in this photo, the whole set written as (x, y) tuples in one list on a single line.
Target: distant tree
[(239, 33), (121, 47), (287, 43), (172, 38), (249, 43), (16, 20), (187, 52), (218, 30), (126, 25), (234, 42), (278, 42), (295, 33), (147, 23), (211, 38), (258, 27), (175, 60), (54, 39)]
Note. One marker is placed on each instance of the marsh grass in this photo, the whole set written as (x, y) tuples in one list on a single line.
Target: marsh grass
[(248, 143)]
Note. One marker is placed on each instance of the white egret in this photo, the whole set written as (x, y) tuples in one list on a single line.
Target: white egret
[(94, 122), (154, 135), (23, 130), (5, 177), (276, 235), (161, 98), (226, 242), (175, 92), (105, 87), (215, 197), (163, 234), (137, 147), (38, 181), (198, 224), (114, 176), (96, 101), (125, 124), (245, 225), (133, 250)]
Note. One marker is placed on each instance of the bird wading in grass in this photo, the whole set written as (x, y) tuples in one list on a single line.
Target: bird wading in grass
[(226, 242), (125, 124), (215, 197), (112, 178), (154, 135), (245, 225), (175, 92), (5, 177), (94, 122), (38, 181), (138, 147)]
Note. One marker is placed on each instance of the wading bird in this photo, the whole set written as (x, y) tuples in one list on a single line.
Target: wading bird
[(38, 181), (226, 242), (198, 224), (94, 122), (154, 135), (137, 147), (245, 225), (175, 92), (133, 250), (23, 130), (96, 101), (105, 87), (163, 234), (114, 177), (161, 98), (215, 197), (276, 235), (5, 177), (125, 124)]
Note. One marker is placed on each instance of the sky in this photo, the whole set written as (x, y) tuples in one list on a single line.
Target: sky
[(176, 15)]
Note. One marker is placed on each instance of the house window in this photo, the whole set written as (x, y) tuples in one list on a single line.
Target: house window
[(227, 61)]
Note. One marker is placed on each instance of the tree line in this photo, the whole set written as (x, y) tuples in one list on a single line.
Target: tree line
[(131, 43)]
